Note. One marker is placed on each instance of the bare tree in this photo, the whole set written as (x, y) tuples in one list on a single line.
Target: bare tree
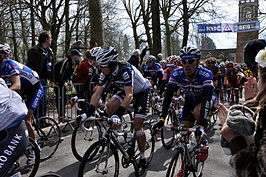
[(156, 29), (96, 21), (134, 14)]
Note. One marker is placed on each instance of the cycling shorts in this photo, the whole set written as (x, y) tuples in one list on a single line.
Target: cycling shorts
[(33, 95), (13, 143), (139, 102), (233, 82), (189, 107)]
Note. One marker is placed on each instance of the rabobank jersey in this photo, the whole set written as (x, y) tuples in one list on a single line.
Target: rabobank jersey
[(154, 69), (192, 89), (11, 68), (124, 75)]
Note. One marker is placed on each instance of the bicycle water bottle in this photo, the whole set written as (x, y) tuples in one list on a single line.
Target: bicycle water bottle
[(122, 141), (192, 144)]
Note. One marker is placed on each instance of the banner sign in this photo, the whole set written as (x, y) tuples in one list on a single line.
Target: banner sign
[(229, 27)]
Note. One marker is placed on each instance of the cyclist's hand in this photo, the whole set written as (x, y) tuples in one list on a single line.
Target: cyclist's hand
[(158, 126), (73, 100), (116, 119), (81, 118)]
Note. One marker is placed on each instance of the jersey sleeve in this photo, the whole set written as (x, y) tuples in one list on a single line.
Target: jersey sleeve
[(128, 76), (103, 80), (12, 68), (207, 78), (173, 80)]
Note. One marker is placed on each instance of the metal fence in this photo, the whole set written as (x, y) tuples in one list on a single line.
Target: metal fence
[(56, 101)]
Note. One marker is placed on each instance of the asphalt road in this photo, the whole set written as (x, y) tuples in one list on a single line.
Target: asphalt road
[(64, 163)]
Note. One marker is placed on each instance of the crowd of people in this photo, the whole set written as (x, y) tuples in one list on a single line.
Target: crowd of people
[(202, 82)]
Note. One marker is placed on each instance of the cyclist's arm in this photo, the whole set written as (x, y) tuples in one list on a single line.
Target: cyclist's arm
[(128, 98), (205, 104), (171, 89), (96, 96), (16, 85)]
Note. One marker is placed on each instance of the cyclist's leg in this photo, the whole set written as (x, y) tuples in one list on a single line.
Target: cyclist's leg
[(33, 98), (140, 104), (13, 142), (187, 117), (115, 102)]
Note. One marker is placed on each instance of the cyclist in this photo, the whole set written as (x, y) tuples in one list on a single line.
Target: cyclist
[(23, 80), (163, 63), (197, 84), (211, 64), (153, 70), (231, 80), (129, 84), (13, 131)]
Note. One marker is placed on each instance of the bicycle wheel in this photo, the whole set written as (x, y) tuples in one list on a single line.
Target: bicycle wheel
[(83, 136), (150, 144), (198, 167), (177, 166), (48, 138), (100, 159), (168, 133), (22, 166)]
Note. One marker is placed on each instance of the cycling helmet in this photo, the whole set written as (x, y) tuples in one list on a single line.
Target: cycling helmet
[(5, 49), (105, 56), (173, 58), (92, 53), (151, 58), (210, 60), (189, 52), (230, 64), (163, 62)]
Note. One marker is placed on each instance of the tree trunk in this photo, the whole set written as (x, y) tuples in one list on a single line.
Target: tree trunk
[(185, 23), (32, 24), (67, 29), (146, 19), (14, 37), (96, 22), (157, 46), (135, 35), (168, 39)]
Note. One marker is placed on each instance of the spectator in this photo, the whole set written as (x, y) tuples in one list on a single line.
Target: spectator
[(249, 159), (41, 60), (63, 72), (136, 58)]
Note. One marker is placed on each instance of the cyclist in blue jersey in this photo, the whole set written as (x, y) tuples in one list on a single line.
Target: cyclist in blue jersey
[(13, 131), (153, 70), (197, 84), (128, 84), (23, 80)]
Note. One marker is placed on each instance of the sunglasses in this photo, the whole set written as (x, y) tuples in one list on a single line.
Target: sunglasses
[(188, 61), (212, 63), (229, 66)]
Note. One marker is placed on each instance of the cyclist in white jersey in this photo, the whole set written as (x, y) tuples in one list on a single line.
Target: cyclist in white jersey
[(128, 84), (13, 131)]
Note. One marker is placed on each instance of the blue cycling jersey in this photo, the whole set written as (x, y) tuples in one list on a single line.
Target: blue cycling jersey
[(154, 69), (192, 89), (10, 68)]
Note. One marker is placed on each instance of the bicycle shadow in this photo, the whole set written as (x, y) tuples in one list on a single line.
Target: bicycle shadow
[(160, 161)]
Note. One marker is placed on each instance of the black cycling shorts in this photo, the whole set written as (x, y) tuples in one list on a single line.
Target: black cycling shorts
[(13, 143), (140, 104), (188, 108)]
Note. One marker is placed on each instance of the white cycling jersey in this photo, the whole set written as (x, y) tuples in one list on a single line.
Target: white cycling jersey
[(12, 109)]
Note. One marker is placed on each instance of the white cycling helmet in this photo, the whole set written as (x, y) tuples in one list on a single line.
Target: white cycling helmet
[(189, 52), (106, 56), (5, 49)]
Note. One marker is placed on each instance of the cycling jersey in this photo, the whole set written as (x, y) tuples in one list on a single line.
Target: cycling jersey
[(232, 78), (12, 108), (154, 69), (194, 89), (124, 75), (11, 68)]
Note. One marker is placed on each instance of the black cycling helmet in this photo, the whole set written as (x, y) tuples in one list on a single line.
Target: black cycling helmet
[(107, 57), (251, 50), (189, 52)]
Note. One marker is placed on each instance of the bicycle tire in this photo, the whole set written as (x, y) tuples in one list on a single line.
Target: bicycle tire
[(50, 175), (80, 141), (48, 138), (91, 156), (168, 134), (174, 167), (27, 170), (199, 167)]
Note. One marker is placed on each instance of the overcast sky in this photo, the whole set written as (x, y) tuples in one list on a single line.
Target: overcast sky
[(230, 8)]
